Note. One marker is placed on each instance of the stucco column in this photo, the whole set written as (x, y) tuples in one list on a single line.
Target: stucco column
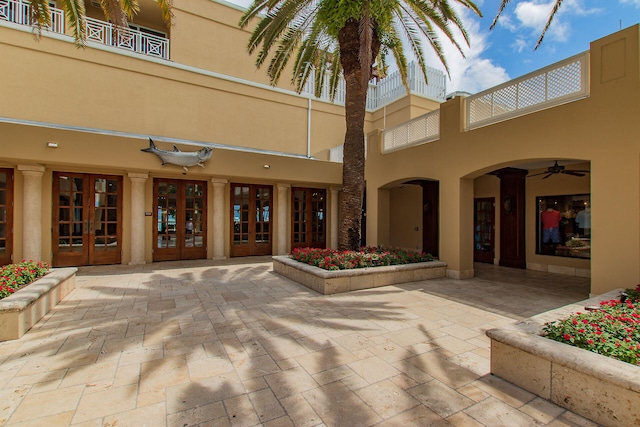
[(219, 186), (137, 235), (456, 223), (334, 218), (32, 212), (283, 203)]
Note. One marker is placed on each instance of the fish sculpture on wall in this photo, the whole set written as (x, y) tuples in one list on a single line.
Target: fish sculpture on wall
[(180, 158)]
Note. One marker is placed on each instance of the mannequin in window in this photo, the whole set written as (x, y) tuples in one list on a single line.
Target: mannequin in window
[(550, 219), (583, 219)]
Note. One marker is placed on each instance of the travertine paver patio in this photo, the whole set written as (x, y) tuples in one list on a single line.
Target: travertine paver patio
[(218, 343)]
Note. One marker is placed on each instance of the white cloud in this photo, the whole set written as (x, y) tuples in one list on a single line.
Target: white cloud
[(635, 3), (531, 16), (474, 72), (520, 44)]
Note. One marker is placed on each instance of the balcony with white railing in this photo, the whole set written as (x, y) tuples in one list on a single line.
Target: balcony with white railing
[(126, 38), (389, 88), (20, 13), (422, 129), (559, 83), (97, 31)]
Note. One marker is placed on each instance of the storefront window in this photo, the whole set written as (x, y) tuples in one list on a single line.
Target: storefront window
[(564, 226)]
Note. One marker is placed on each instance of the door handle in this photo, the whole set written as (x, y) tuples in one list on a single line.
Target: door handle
[(85, 226)]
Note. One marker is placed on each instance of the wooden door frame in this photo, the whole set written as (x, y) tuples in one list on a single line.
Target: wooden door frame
[(309, 223), (252, 248), (8, 220)]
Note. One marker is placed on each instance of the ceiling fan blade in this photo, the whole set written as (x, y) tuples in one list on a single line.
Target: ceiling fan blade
[(548, 175), (572, 172), (536, 174)]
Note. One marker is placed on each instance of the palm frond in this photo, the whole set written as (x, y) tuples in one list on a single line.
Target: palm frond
[(336, 72), (166, 9), (552, 15), (130, 8), (75, 12), (503, 4), (40, 15)]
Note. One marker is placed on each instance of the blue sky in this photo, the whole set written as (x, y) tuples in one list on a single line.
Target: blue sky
[(506, 52)]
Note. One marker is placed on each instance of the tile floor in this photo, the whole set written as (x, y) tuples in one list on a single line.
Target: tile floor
[(230, 343)]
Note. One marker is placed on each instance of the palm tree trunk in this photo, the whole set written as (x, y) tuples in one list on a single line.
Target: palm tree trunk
[(353, 184)]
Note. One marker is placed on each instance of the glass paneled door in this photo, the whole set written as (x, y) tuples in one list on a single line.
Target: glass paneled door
[(180, 219), (87, 219), (308, 207), (6, 216), (251, 219)]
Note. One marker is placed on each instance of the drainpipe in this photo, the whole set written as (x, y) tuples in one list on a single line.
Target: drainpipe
[(309, 129)]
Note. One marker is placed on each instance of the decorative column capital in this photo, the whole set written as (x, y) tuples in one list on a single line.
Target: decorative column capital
[(335, 189), (283, 187), (34, 170), (218, 182), (139, 177)]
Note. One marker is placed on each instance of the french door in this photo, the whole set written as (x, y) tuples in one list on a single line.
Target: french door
[(87, 219), (6, 216), (180, 218), (251, 219), (308, 218)]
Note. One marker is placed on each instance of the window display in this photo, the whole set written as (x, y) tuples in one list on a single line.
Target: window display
[(564, 226)]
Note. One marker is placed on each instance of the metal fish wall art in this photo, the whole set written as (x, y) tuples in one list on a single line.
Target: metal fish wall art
[(180, 158)]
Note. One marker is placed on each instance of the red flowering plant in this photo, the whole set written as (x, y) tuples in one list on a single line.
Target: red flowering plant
[(612, 330), (15, 276), (330, 259)]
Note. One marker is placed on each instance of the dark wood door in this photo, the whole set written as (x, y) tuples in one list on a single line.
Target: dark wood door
[(430, 209), (512, 217), (87, 219), (6, 216), (180, 218), (308, 218), (484, 230), (251, 219)]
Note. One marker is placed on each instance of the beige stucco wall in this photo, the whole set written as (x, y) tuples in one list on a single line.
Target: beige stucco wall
[(601, 129), (107, 90)]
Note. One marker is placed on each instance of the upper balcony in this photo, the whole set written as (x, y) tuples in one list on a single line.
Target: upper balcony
[(557, 84), (135, 39)]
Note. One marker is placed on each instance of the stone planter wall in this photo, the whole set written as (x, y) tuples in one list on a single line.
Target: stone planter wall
[(604, 390), (332, 282), (20, 311)]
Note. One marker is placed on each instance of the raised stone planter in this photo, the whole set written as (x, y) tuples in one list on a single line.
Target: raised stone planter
[(333, 282), (20, 311), (602, 389)]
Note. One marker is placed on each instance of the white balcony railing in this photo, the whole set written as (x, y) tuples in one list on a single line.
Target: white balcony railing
[(556, 84), (20, 13), (125, 38), (390, 88), (422, 129), (98, 31)]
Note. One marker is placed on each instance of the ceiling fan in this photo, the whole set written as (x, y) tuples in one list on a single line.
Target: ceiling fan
[(556, 168)]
